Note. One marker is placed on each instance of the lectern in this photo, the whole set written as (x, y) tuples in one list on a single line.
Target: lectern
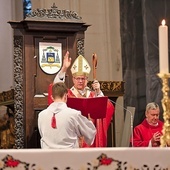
[(40, 42)]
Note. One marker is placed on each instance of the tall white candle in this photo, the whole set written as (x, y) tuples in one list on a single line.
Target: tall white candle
[(163, 48)]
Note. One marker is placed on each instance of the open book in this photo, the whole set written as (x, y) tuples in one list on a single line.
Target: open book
[(96, 107)]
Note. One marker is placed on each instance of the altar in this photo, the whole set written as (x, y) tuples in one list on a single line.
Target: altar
[(86, 159)]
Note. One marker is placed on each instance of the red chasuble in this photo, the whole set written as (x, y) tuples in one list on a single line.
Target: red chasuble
[(143, 133), (101, 125)]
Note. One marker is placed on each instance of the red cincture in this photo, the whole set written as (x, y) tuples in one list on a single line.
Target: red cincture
[(53, 122)]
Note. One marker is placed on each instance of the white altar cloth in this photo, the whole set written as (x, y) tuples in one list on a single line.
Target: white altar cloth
[(86, 159)]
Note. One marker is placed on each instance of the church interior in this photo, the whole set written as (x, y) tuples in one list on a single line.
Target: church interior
[(124, 34)]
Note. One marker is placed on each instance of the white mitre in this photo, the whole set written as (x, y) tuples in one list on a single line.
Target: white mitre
[(80, 67)]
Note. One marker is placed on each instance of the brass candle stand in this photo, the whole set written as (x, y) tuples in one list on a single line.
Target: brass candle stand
[(165, 138)]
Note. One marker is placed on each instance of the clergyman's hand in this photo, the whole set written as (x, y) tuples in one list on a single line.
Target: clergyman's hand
[(156, 139), (89, 117), (96, 86), (66, 62)]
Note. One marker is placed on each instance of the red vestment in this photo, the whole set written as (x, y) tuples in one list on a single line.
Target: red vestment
[(101, 125), (143, 133)]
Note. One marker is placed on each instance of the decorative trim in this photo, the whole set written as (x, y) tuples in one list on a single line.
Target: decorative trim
[(111, 85), (53, 14), (80, 47), (7, 97), (110, 88), (18, 92)]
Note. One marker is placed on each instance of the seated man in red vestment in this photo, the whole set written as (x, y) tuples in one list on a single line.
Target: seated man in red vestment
[(148, 133), (80, 71)]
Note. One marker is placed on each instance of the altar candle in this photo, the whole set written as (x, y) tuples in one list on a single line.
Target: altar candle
[(163, 48)]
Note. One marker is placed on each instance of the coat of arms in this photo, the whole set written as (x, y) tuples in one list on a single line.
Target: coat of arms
[(50, 57)]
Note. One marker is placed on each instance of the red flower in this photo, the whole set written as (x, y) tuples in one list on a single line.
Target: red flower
[(12, 163), (106, 161)]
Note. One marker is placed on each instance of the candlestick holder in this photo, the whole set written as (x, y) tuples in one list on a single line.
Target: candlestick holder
[(165, 138)]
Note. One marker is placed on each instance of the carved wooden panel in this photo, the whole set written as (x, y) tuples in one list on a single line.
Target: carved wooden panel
[(19, 91)]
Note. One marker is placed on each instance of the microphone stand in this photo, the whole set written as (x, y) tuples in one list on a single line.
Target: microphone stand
[(131, 119)]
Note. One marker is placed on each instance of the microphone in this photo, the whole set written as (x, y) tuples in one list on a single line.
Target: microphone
[(131, 119)]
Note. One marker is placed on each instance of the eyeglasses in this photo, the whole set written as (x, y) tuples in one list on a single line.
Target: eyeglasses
[(80, 79)]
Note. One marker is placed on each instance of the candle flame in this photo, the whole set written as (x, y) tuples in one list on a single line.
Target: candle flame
[(163, 22)]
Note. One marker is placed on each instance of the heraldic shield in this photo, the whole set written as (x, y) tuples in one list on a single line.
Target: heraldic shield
[(50, 57)]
